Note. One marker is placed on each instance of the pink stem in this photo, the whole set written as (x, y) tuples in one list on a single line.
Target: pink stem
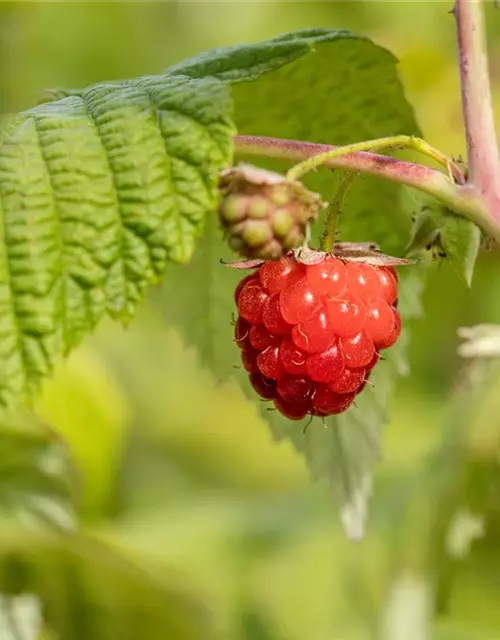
[(482, 148), (407, 173), (461, 198)]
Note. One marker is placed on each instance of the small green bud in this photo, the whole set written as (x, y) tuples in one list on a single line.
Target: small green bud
[(233, 209), (282, 222), (256, 233), (258, 207)]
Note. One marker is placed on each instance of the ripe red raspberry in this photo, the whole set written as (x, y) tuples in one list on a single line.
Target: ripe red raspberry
[(310, 334)]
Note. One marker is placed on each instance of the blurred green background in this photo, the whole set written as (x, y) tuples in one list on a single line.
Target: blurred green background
[(179, 470)]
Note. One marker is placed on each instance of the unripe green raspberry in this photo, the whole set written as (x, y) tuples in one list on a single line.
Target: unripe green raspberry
[(263, 214)]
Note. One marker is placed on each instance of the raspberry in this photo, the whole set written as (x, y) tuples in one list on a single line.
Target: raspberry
[(263, 214), (299, 302), (272, 317), (242, 332), (251, 301), (346, 313), (395, 332), (388, 284), (328, 277), (349, 381), (269, 363), (275, 275), (313, 335), (327, 365), (260, 338), (249, 359), (294, 389), (358, 350), (265, 387), (379, 321), (293, 410), (310, 334), (363, 281), (242, 283), (328, 402), (293, 360)]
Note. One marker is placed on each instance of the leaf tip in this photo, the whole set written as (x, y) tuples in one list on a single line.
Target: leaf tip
[(353, 513)]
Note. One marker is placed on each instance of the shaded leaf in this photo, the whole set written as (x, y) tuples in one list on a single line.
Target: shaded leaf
[(345, 448), (365, 101), (453, 237), (345, 90), (369, 102), (35, 475)]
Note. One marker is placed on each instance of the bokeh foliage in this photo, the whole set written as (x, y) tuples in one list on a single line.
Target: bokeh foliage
[(177, 472)]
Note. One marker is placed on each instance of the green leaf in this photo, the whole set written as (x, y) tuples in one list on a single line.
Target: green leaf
[(98, 191), (86, 589), (452, 237), (367, 102), (320, 86), (243, 63), (35, 475), (204, 305)]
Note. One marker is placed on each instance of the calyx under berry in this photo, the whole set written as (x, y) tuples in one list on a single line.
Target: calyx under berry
[(263, 214), (362, 252)]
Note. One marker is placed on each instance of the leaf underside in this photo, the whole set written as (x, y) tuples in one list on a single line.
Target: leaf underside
[(36, 477)]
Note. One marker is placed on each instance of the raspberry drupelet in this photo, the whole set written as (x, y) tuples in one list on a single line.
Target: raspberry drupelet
[(310, 334)]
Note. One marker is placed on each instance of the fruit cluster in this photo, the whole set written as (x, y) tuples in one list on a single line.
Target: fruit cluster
[(310, 334), (263, 214)]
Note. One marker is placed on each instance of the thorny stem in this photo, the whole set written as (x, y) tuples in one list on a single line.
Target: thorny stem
[(333, 213), (482, 150), (393, 142)]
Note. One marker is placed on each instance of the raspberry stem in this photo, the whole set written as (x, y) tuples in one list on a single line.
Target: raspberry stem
[(390, 143), (333, 212), (463, 199)]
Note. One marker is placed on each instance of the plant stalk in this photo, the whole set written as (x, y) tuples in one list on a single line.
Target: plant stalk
[(389, 143), (333, 213), (482, 147), (462, 199), (409, 173)]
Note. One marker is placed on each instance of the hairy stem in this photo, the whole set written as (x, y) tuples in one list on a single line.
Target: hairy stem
[(393, 142), (409, 173), (333, 213), (482, 149), (463, 199)]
